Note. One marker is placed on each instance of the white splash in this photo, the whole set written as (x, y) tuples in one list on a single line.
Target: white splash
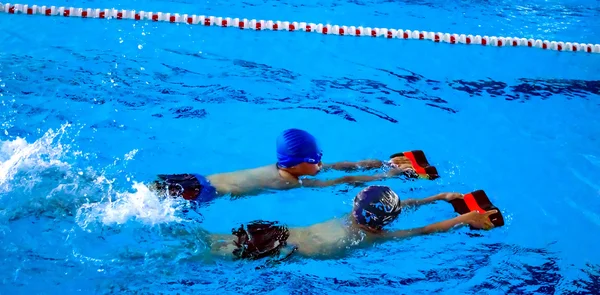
[(142, 206), (44, 177), (20, 156)]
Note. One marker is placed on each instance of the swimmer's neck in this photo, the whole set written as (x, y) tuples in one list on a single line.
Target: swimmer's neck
[(286, 174), (352, 224)]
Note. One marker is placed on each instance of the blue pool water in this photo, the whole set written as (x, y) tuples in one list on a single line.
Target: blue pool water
[(91, 109)]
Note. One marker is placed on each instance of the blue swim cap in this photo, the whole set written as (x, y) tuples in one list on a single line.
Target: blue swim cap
[(376, 206), (295, 146)]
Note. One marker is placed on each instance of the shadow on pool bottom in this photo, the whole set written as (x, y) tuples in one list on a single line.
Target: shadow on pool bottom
[(138, 89), (515, 277)]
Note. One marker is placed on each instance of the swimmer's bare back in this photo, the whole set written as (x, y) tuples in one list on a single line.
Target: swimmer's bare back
[(325, 240), (251, 181)]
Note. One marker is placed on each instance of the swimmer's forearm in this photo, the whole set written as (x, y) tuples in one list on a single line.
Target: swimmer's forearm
[(419, 202), (343, 180), (351, 166), (442, 226), (360, 178)]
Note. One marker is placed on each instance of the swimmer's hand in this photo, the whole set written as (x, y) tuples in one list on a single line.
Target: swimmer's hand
[(401, 170), (399, 161), (451, 196), (479, 220)]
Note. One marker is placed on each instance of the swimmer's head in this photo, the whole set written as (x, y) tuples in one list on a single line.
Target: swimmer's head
[(298, 150), (375, 207)]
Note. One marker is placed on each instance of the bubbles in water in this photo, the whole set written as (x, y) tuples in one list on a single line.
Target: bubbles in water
[(129, 156), (140, 46)]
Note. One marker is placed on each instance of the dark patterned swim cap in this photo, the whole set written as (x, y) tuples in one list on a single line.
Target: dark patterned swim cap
[(376, 206)]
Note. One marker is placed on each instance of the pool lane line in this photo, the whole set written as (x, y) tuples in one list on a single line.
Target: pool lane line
[(260, 25)]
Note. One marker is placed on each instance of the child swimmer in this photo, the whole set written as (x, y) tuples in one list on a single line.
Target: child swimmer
[(374, 209), (298, 155)]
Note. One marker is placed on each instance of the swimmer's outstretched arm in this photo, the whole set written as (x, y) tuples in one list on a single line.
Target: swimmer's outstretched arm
[(352, 179), (353, 166), (398, 161), (475, 219), (415, 203)]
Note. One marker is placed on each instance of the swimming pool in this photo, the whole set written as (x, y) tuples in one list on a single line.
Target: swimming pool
[(90, 107)]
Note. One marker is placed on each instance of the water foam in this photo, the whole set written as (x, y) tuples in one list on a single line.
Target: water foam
[(20, 156), (142, 205), (51, 177)]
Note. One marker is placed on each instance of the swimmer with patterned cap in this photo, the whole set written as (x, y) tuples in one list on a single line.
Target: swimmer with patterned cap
[(374, 209), (298, 157)]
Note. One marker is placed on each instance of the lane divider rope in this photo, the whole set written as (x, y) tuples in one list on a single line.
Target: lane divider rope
[(258, 25)]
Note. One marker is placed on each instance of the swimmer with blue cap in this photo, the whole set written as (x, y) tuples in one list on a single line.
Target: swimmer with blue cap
[(375, 208), (298, 156)]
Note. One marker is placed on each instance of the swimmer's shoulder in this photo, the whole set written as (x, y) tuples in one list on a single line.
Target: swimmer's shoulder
[(267, 176), (270, 176)]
